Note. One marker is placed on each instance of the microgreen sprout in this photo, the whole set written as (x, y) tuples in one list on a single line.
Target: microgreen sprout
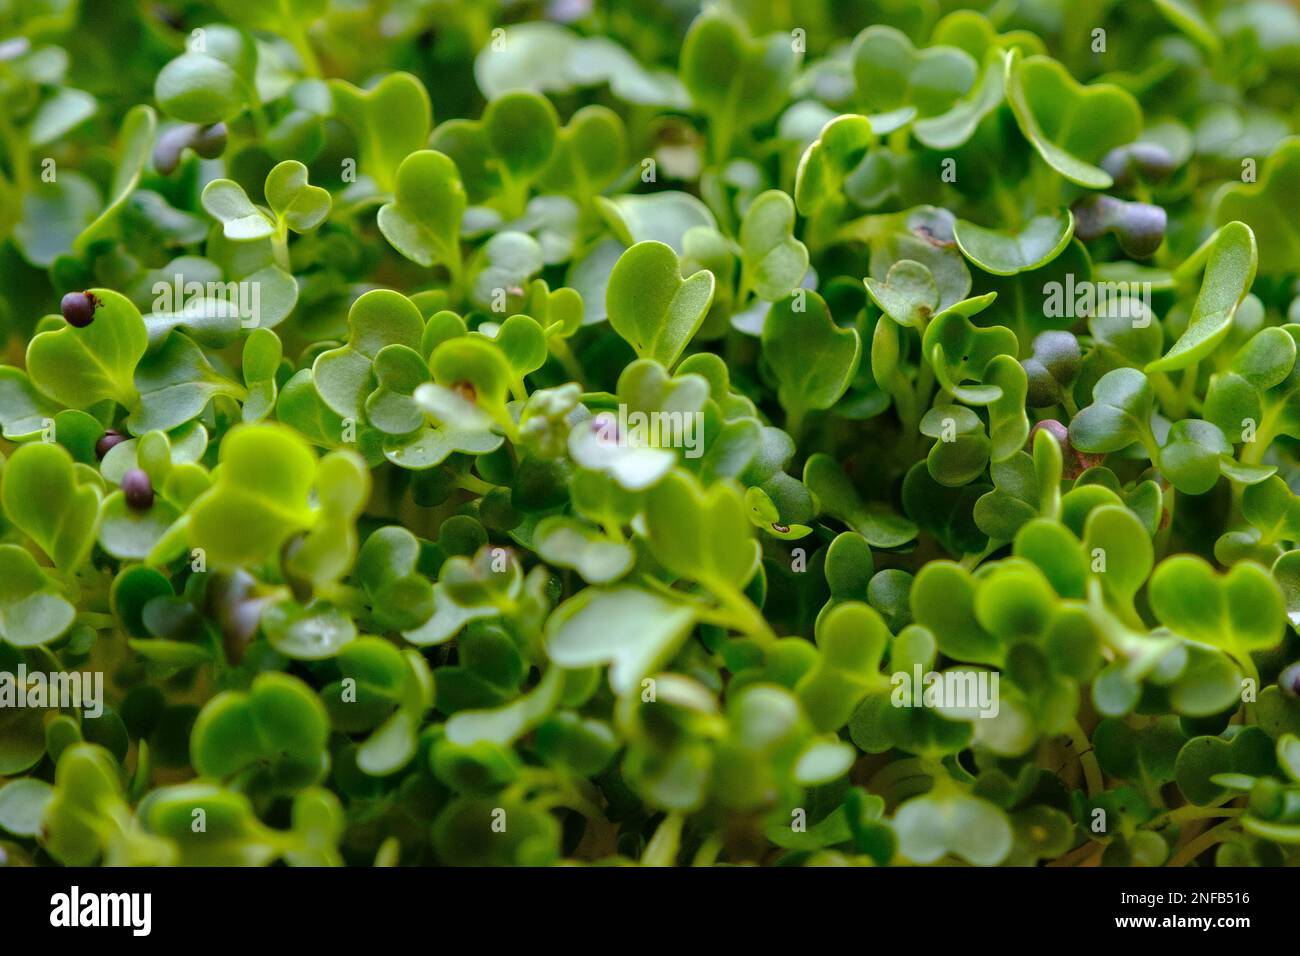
[(673, 434)]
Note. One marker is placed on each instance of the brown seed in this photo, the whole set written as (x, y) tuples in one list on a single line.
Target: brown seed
[(138, 490), (78, 308), (107, 441)]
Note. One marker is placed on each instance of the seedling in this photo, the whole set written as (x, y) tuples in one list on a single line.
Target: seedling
[(627, 440)]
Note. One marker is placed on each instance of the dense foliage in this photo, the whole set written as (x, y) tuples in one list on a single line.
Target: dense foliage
[(332, 330)]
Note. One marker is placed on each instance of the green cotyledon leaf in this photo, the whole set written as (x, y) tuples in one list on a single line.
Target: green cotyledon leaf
[(828, 160), (633, 630), (651, 306), (344, 377), (813, 359), (1071, 126), (1267, 207), (45, 497), (891, 73), (736, 79), (1041, 240), (297, 204), (391, 550), (423, 220), (78, 367), (1229, 273), (774, 262), (1240, 611), (32, 611), (137, 136), (701, 534), (278, 719), (390, 122), (259, 497)]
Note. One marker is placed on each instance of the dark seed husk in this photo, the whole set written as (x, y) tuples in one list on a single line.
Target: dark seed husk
[(78, 308), (111, 438), (138, 489)]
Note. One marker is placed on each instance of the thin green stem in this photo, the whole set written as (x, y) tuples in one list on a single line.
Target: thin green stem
[(661, 850), (708, 852), (1193, 812), (749, 617), (795, 419), (280, 247), (1166, 393), (560, 349), (1187, 389), (295, 31), (1087, 758), (477, 485), (19, 157), (1202, 843)]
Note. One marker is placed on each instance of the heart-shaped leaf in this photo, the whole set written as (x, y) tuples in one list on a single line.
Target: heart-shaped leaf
[(344, 376), (390, 121), (298, 204), (663, 217), (961, 451), (959, 351), (521, 129), (1229, 273), (1239, 612), (175, 384), (392, 407), (702, 534), (1041, 240), (572, 544), (1120, 414), (814, 360), (633, 630), (475, 368), (590, 153), (423, 221), (933, 826), (23, 410), (241, 221), (651, 306), (1071, 126), (890, 73), (78, 367), (851, 639), (400, 597), (735, 79), (32, 611), (44, 498), (1202, 759), (875, 521), (278, 721), (838, 150), (1268, 207), (1190, 456), (258, 498), (774, 262), (955, 127)]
